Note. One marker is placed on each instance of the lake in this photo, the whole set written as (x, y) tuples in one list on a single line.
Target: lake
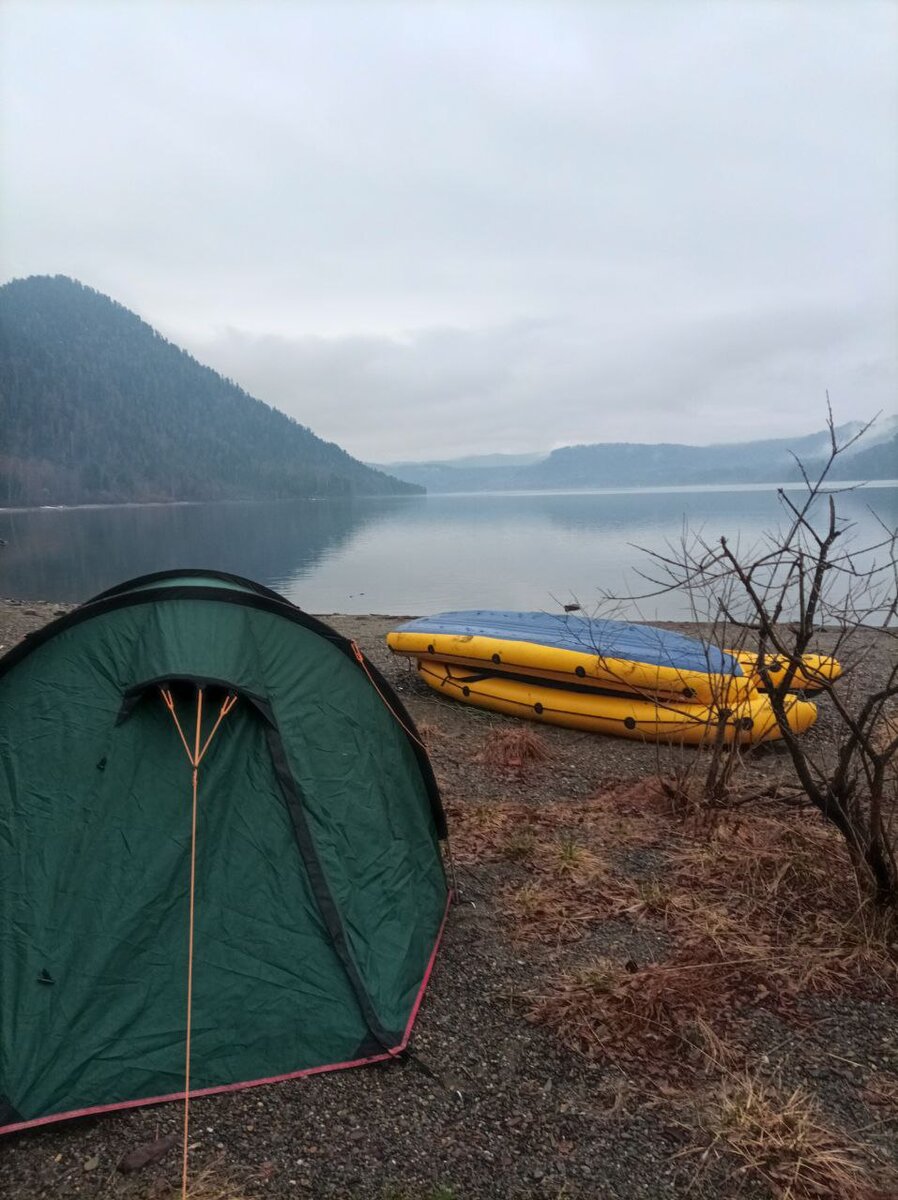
[(402, 555)]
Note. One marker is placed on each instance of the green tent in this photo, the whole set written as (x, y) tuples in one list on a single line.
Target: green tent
[(311, 881)]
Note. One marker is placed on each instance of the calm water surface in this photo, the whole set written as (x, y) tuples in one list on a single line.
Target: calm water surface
[(404, 555)]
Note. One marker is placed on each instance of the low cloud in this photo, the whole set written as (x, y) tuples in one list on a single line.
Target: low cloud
[(430, 229), (533, 385)]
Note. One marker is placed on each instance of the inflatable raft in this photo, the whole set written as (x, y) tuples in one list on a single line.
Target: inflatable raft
[(749, 722), (815, 672), (576, 650)]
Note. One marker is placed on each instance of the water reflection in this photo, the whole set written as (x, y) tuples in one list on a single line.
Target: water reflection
[(402, 555), (71, 554)]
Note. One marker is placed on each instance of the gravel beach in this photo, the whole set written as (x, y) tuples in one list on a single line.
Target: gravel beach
[(490, 1104)]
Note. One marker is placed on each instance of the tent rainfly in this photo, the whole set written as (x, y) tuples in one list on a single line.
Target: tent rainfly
[(200, 782)]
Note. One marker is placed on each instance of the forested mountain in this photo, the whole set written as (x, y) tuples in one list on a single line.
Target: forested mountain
[(878, 460), (96, 406), (635, 464)]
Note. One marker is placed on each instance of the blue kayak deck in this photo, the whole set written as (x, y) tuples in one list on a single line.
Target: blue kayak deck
[(609, 639)]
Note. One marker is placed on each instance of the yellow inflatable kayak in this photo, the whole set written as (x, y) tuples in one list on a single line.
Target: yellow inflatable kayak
[(815, 672), (576, 650), (748, 723)]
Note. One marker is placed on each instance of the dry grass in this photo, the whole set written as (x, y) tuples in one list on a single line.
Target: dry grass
[(568, 885), (760, 907), (665, 1023), (882, 1094), (779, 1138), (770, 891), (542, 912), (211, 1183), (429, 733), (481, 832), (514, 749), (778, 891), (521, 844), (213, 1189), (666, 1019), (728, 957), (571, 856)]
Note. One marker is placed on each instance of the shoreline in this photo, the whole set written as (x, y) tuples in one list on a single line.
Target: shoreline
[(835, 486), (46, 609), (14, 610)]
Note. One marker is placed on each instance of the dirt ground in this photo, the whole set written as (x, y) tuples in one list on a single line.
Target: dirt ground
[(632, 999)]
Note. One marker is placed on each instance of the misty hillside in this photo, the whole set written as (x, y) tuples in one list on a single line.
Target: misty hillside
[(626, 464), (876, 455), (635, 464), (95, 406)]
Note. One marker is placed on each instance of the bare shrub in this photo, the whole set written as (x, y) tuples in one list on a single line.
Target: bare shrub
[(806, 577)]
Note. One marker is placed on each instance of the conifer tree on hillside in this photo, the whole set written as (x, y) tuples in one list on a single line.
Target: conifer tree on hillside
[(96, 406)]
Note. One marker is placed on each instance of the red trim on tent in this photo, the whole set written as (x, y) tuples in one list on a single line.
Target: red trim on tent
[(236, 1087)]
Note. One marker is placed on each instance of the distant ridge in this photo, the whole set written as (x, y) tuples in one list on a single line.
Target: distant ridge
[(635, 464), (96, 407)]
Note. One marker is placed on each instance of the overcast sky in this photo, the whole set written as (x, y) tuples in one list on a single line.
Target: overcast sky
[(432, 229)]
